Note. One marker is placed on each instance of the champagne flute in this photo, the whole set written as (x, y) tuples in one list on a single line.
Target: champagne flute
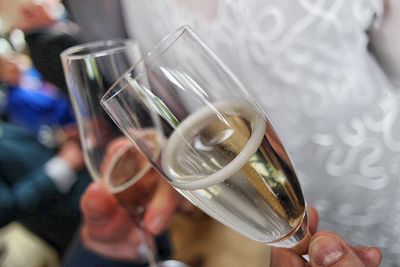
[(218, 148), (90, 69)]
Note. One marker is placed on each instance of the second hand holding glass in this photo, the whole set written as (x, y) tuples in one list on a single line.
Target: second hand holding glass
[(218, 149), (90, 69)]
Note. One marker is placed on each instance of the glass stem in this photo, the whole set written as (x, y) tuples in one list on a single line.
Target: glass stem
[(151, 253), (137, 214)]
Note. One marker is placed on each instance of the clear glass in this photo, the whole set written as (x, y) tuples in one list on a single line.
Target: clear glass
[(90, 69), (217, 147)]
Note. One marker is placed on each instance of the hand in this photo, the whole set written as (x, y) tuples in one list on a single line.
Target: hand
[(71, 152), (327, 249), (71, 132), (109, 231), (10, 72), (36, 15)]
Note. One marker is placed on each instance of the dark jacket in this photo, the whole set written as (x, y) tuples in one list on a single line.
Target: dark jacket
[(29, 196)]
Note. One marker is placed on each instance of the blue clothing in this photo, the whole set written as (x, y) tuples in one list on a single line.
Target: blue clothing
[(29, 196), (34, 103)]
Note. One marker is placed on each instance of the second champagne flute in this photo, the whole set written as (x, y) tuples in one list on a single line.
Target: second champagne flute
[(90, 69), (219, 151)]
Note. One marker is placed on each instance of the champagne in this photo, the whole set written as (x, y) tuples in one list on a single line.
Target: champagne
[(124, 169), (228, 161)]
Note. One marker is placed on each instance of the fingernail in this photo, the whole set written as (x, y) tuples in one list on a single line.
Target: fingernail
[(156, 225), (95, 186), (325, 251)]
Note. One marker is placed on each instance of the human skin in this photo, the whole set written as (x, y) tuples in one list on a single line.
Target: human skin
[(327, 249)]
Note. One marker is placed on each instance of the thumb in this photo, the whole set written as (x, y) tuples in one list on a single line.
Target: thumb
[(328, 249), (161, 209), (104, 219)]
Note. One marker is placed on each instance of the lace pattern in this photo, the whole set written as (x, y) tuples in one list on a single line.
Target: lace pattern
[(308, 63)]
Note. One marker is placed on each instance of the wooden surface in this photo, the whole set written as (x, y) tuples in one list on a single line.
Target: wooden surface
[(202, 242)]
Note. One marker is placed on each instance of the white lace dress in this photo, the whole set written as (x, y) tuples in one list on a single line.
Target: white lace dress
[(308, 63)]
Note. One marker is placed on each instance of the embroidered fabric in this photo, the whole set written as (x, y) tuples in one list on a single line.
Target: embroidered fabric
[(308, 63)]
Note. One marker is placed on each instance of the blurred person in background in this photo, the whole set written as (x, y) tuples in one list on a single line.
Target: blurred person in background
[(40, 187), (29, 100), (29, 15), (42, 174), (40, 184)]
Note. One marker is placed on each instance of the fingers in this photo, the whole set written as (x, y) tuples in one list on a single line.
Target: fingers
[(10, 72), (71, 132), (34, 16), (281, 257), (108, 230), (285, 257), (104, 219), (126, 249), (185, 205), (162, 206), (71, 152), (116, 145), (371, 257), (328, 249), (313, 220)]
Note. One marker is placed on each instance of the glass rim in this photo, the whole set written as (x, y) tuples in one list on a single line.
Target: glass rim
[(114, 45), (156, 51)]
